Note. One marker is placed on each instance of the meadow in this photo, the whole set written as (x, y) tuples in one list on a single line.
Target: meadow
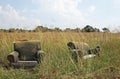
[(57, 63)]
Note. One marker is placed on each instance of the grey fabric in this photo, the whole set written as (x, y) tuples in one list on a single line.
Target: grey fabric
[(13, 57), (78, 49), (25, 64), (40, 55), (78, 45), (27, 50), (95, 50), (27, 54)]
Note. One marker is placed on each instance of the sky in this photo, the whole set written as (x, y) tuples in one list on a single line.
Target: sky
[(28, 14)]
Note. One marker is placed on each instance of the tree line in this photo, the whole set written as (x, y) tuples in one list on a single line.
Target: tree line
[(87, 28)]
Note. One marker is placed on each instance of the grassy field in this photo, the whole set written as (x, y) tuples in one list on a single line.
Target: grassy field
[(57, 63)]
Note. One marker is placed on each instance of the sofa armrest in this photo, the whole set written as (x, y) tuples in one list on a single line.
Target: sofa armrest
[(13, 57), (40, 55)]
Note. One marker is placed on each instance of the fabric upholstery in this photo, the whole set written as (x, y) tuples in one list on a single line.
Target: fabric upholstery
[(27, 50), (13, 57)]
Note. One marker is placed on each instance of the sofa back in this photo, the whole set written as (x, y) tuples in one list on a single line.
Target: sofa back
[(27, 49)]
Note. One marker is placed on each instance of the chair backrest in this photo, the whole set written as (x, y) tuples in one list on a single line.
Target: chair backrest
[(81, 48), (78, 45), (27, 49)]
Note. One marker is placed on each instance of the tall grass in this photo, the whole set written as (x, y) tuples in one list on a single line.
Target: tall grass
[(57, 63)]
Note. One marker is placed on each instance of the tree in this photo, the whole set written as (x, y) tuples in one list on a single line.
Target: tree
[(88, 28), (77, 30), (105, 29), (40, 29), (67, 30), (57, 29), (11, 30), (96, 30)]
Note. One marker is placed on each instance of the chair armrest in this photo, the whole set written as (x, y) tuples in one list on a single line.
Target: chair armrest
[(40, 55), (13, 57)]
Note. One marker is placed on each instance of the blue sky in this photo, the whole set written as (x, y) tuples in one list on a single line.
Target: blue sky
[(60, 13)]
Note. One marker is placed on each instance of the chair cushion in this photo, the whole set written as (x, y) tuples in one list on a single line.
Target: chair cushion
[(27, 49)]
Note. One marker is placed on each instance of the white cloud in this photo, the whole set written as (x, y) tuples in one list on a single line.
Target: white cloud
[(9, 16), (91, 9), (11, 13), (24, 10), (66, 9), (58, 12), (0, 9), (116, 3)]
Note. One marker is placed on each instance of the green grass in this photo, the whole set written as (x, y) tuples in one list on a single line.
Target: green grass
[(57, 63)]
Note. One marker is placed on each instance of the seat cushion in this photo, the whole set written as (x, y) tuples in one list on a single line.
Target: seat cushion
[(27, 49), (25, 64)]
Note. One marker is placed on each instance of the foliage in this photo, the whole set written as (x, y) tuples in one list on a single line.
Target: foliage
[(87, 28), (57, 29), (106, 29), (40, 29)]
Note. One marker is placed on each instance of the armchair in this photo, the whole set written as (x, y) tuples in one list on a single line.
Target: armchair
[(26, 54)]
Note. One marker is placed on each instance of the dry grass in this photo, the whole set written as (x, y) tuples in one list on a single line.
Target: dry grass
[(58, 63)]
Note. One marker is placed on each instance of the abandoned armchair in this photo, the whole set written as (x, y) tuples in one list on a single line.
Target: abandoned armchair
[(82, 50), (26, 54)]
